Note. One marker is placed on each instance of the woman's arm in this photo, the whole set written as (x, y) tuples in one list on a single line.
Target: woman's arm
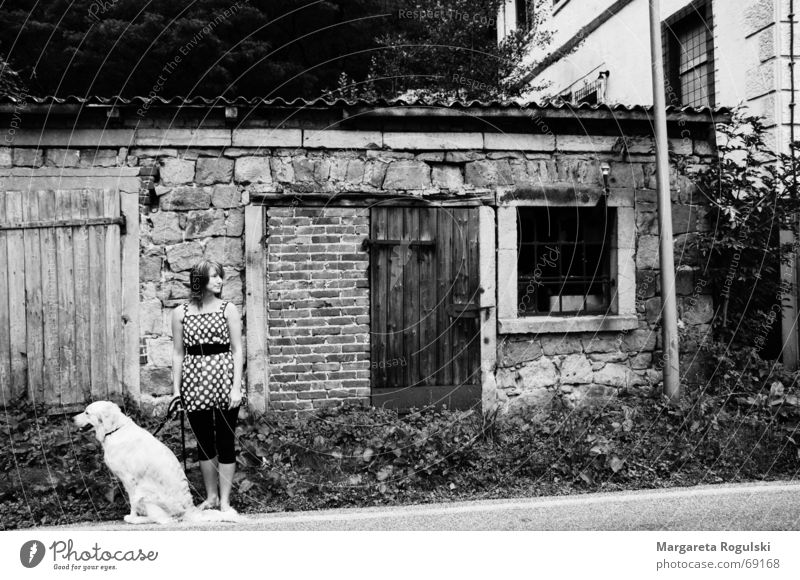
[(235, 332), (177, 350)]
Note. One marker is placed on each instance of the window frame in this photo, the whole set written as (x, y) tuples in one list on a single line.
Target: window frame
[(669, 28), (622, 268)]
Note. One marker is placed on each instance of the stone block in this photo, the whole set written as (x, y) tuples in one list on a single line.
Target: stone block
[(156, 381), (233, 288), (374, 172), (514, 353), (176, 171), (226, 196), (234, 223), (159, 352), (576, 369), (433, 141), (339, 139), (592, 395), (183, 256), (578, 170), (447, 177), (463, 156), (652, 309), (587, 143), (407, 175), (253, 170), (28, 157), (150, 267), (267, 138), (282, 169), (355, 171), (488, 173), (166, 227), (600, 343), (561, 344), (212, 170), (627, 175), (205, 223), (617, 375), (62, 158), (186, 198), (303, 169), (534, 375), (641, 340), (647, 254), (226, 251), (98, 158), (6, 159), (696, 309), (150, 317), (530, 405), (648, 284), (684, 280), (519, 141)]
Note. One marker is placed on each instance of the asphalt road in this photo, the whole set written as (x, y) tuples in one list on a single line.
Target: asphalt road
[(760, 506)]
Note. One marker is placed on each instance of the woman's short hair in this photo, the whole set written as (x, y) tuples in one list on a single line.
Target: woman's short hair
[(199, 276)]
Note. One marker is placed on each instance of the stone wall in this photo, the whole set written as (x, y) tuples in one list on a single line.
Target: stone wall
[(198, 213), (586, 367), (318, 314)]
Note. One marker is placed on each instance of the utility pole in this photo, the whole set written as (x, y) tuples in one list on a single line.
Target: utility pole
[(669, 310)]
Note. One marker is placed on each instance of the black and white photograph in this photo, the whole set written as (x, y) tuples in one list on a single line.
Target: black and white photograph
[(396, 288)]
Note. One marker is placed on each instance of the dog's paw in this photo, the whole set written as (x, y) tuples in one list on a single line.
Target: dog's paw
[(134, 519)]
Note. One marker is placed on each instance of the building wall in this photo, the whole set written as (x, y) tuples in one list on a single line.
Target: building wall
[(317, 316), (622, 46)]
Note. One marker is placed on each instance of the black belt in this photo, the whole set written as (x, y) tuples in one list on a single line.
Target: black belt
[(208, 348)]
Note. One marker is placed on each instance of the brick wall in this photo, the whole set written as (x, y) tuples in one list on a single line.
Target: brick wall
[(318, 307)]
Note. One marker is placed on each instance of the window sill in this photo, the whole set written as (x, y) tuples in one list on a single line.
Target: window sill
[(554, 324)]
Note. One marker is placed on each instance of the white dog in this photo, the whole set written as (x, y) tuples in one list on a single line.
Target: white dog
[(157, 488)]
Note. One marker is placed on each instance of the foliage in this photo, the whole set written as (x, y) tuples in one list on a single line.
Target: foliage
[(10, 82), (444, 50), (51, 474), (261, 48), (752, 197)]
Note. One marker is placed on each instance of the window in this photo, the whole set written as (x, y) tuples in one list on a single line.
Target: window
[(523, 15), (564, 266), (689, 56), (563, 260)]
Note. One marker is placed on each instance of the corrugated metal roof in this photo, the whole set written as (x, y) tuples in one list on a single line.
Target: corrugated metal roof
[(300, 103)]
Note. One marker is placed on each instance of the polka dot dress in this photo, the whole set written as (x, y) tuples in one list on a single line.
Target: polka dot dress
[(206, 380)]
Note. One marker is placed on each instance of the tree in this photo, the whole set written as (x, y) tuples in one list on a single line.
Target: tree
[(10, 82), (448, 49), (752, 196)]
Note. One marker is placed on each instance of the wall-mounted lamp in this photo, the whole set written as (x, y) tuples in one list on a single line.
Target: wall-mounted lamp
[(605, 169)]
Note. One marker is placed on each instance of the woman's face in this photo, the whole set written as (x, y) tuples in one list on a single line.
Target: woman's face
[(214, 283)]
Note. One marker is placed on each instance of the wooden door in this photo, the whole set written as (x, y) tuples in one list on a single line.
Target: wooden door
[(425, 314), (60, 296)]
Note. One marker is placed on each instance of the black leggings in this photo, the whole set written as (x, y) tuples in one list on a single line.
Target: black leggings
[(214, 430)]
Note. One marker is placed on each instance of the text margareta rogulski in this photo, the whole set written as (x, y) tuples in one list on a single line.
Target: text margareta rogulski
[(723, 547)]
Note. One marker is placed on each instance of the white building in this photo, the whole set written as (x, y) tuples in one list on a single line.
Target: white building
[(716, 53)]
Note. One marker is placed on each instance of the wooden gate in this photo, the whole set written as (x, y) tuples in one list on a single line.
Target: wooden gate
[(60, 301), (425, 314)]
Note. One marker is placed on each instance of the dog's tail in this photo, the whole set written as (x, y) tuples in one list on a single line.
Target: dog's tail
[(196, 515)]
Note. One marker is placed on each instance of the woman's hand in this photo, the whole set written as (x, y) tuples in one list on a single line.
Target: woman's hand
[(236, 397)]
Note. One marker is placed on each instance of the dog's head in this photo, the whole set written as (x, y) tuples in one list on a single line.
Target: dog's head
[(103, 416)]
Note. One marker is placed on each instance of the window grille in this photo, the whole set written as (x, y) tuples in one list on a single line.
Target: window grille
[(563, 260)]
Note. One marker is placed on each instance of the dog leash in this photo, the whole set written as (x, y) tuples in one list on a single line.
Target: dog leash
[(175, 406)]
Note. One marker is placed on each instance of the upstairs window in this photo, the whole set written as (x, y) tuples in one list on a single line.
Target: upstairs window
[(689, 56), (564, 257)]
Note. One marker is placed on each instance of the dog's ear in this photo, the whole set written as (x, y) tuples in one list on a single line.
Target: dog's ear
[(111, 417)]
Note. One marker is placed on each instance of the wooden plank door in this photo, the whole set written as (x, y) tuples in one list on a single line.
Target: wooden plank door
[(424, 278), (60, 296)]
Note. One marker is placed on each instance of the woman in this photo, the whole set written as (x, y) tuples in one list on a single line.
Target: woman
[(207, 375)]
